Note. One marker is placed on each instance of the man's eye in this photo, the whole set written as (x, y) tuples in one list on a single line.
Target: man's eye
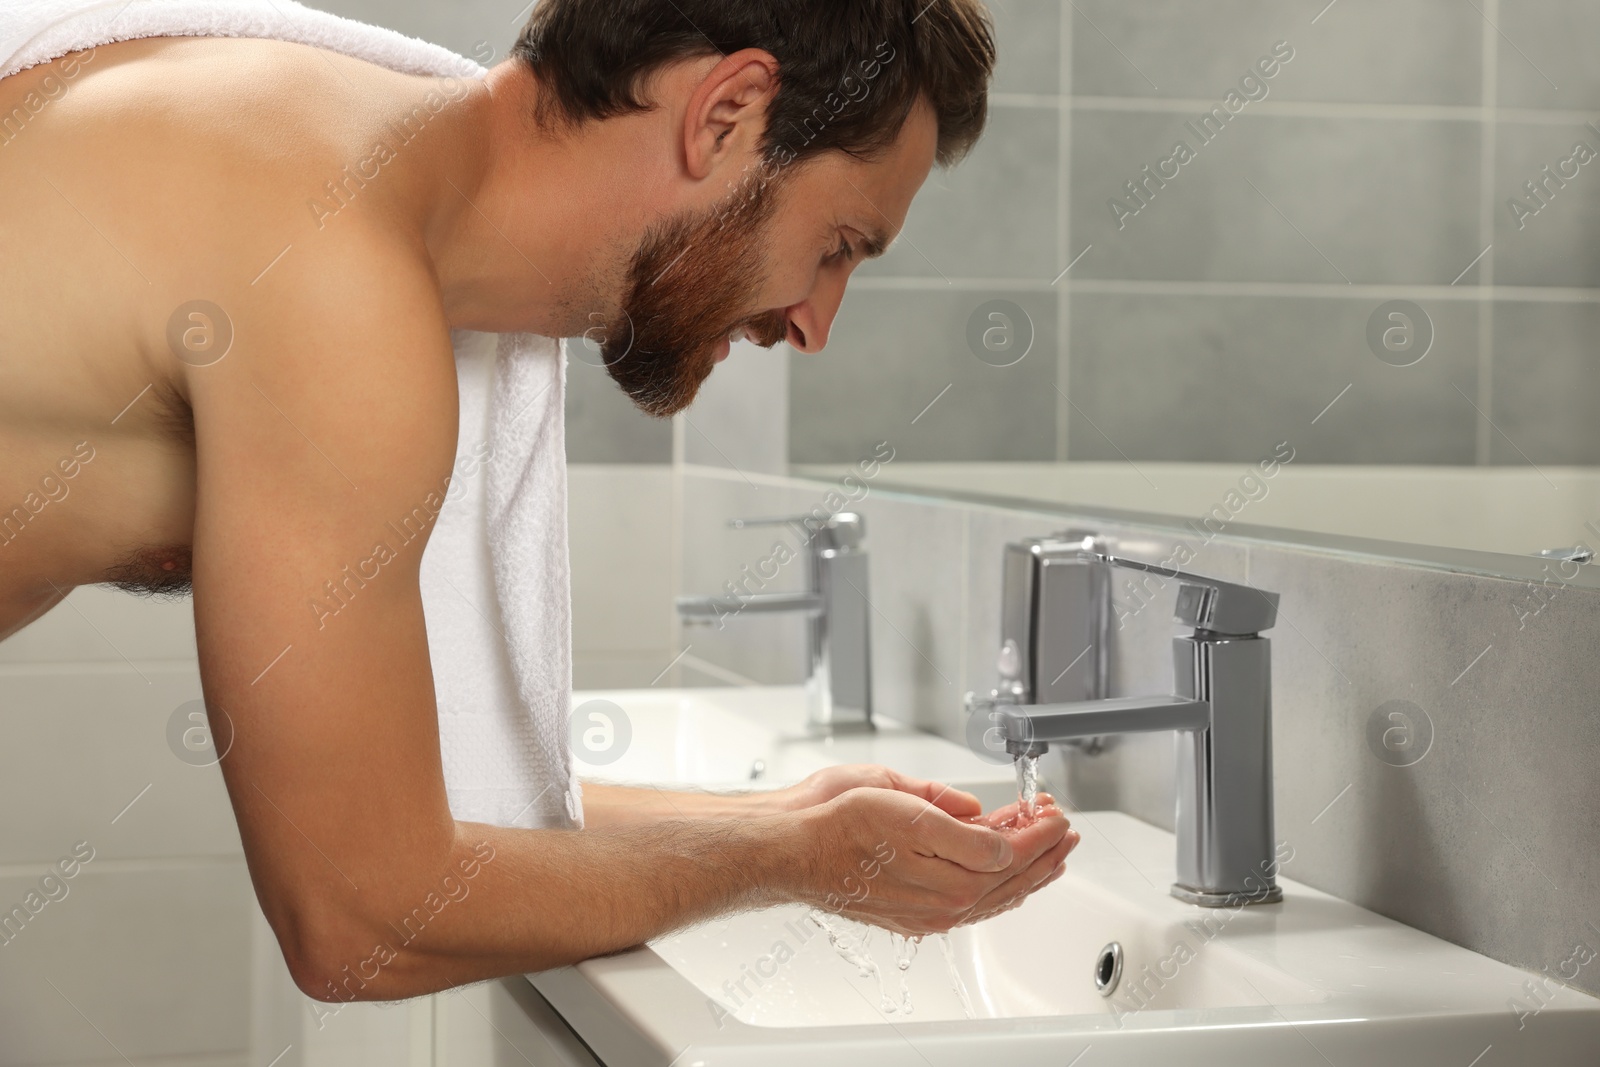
[(844, 251)]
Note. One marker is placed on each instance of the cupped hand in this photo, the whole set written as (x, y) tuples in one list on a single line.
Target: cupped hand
[(831, 782), (891, 859)]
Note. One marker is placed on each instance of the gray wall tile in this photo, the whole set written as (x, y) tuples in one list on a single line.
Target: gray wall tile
[(994, 215), (466, 26), (1028, 45), (1555, 245), (603, 426), (1410, 52), (1481, 842), (1335, 200), (1217, 379), (893, 352), (1549, 54), (1546, 392)]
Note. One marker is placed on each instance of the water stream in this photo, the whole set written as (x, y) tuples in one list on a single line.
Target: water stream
[(905, 950), (956, 983), (1027, 789), (858, 953)]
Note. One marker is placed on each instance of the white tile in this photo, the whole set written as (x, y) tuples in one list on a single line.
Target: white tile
[(157, 959), (368, 1034), (741, 417), (81, 747), (621, 537)]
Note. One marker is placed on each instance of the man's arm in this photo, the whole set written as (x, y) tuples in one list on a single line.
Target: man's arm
[(330, 424), (612, 805)]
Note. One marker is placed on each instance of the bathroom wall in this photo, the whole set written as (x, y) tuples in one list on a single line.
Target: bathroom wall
[(155, 948), (152, 937), (1233, 307)]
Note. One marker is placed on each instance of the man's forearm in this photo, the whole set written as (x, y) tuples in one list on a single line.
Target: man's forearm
[(614, 806), (514, 901)]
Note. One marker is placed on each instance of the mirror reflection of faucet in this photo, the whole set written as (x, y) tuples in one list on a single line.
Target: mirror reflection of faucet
[(838, 634), (1057, 595)]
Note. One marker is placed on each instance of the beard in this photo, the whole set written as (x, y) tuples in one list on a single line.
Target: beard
[(688, 280)]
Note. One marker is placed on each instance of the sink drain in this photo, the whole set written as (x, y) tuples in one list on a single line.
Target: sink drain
[(1108, 969)]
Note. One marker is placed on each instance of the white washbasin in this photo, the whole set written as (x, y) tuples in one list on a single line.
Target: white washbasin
[(1313, 980), (713, 738)]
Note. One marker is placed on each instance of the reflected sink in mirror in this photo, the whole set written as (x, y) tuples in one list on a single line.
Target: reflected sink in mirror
[(1311, 980)]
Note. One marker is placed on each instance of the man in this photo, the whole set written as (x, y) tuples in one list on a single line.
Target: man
[(677, 171)]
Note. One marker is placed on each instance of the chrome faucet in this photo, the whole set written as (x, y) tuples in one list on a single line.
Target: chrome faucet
[(1221, 712), (839, 649)]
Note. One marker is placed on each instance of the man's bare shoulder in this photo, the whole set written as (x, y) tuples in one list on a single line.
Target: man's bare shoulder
[(343, 321), (212, 143)]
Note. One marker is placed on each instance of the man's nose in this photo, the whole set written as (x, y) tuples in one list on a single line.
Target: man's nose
[(811, 320)]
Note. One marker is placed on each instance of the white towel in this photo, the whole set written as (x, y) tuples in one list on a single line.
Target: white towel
[(496, 589)]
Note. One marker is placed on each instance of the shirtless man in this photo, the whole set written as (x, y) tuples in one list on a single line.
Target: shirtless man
[(617, 142)]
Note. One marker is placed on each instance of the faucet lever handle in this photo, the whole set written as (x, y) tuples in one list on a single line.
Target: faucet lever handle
[(1206, 603)]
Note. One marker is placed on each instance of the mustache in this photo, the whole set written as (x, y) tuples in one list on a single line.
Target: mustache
[(767, 329)]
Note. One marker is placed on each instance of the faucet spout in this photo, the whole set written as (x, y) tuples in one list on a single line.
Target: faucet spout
[(1029, 729)]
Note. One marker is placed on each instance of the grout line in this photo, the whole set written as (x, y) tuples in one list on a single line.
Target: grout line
[(676, 518), (1364, 291), (107, 865), (1064, 240), (1024, 101), (72, 668), (1483, 441), (1185, 106), (724, 474), (964, 670)]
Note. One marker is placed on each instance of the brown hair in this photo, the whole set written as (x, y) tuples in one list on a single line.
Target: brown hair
[(849, 71)]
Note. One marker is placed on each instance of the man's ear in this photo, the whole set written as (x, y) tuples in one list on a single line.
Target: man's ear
[(727, 112)]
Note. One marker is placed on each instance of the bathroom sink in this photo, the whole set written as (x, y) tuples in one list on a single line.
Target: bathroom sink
[(753, 738), (1311, 980)]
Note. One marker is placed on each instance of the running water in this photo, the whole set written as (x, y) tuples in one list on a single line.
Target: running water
[(858, 956), (1027, 789), (956, 983), (905, 950)]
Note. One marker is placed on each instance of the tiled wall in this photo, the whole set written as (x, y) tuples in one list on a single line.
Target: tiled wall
[(152, 941), (1232, 308)]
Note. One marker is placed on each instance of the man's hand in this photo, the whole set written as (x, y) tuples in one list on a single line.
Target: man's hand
[(608, 806), (888, 858), (831, 782)]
